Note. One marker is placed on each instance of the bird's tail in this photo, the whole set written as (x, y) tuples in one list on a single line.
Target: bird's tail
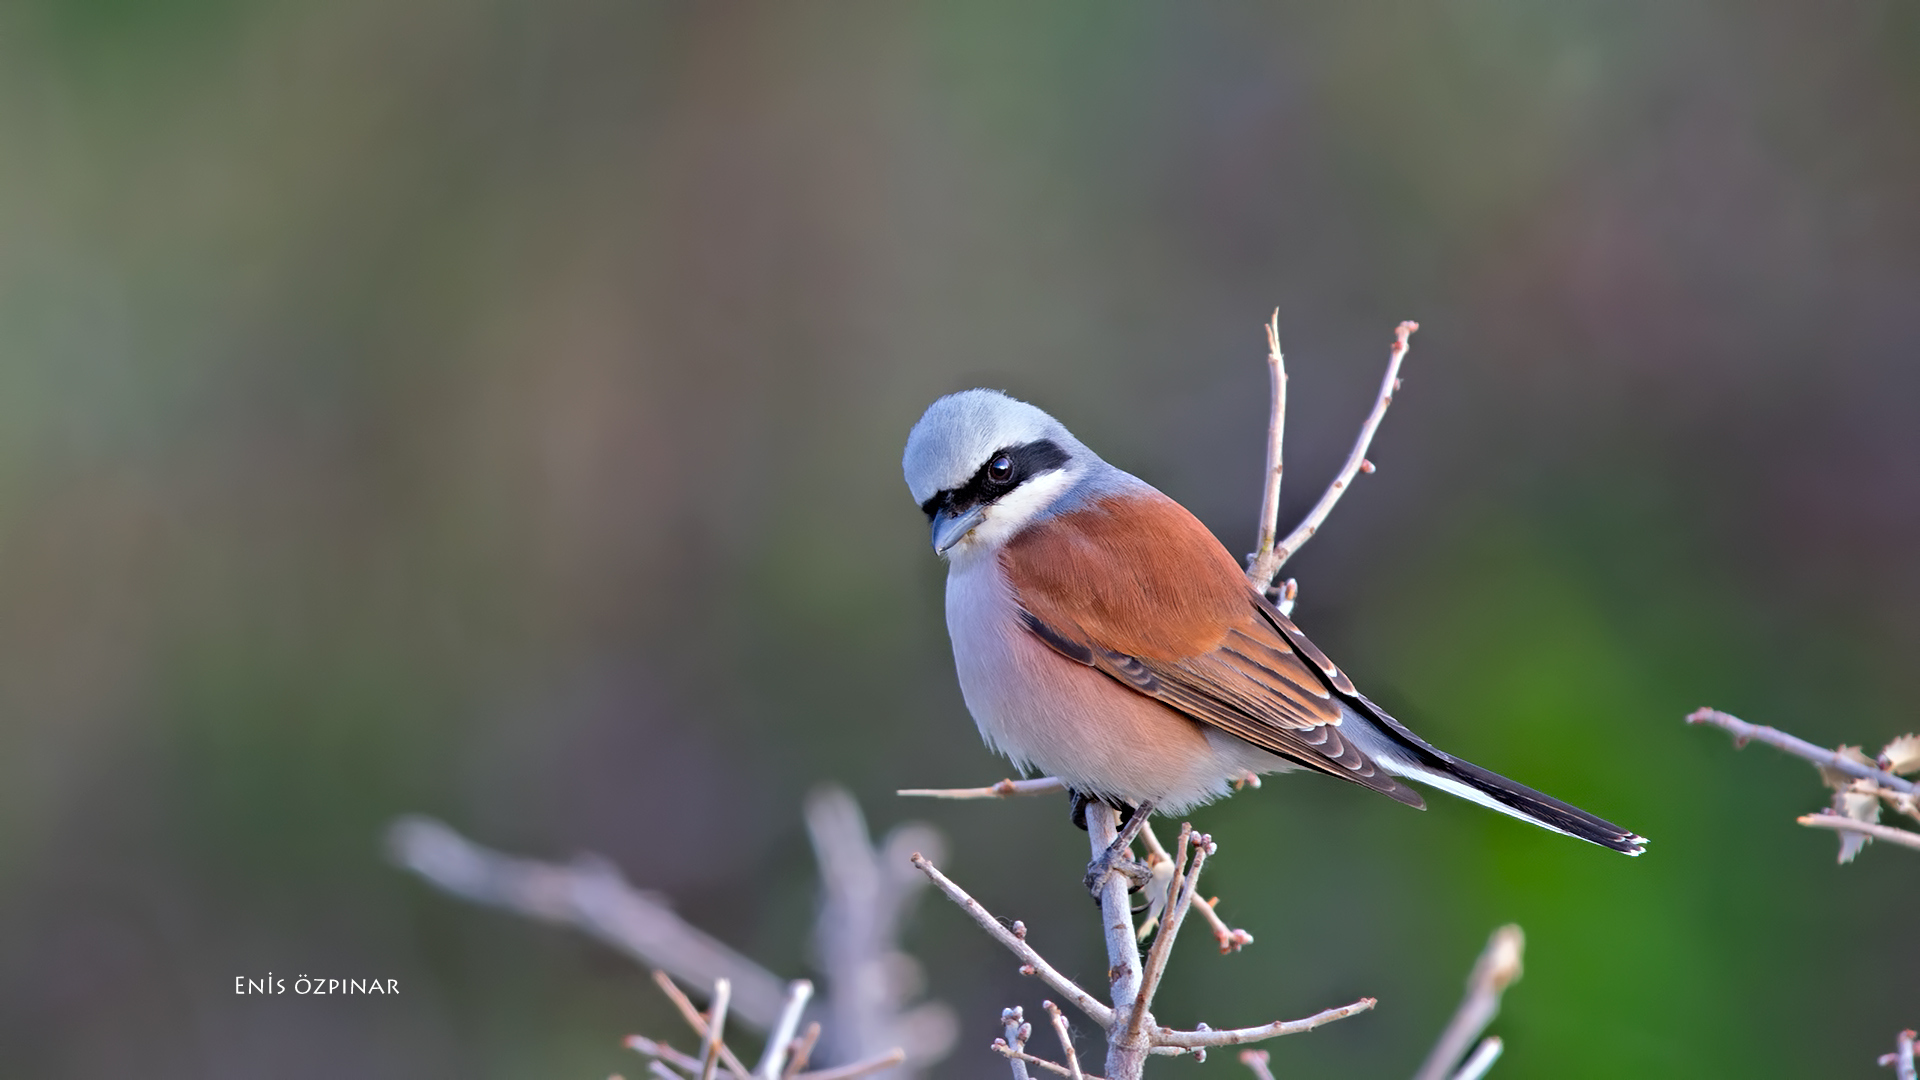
[(1402, 752)]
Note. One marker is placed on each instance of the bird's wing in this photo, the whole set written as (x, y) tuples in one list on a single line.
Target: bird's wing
[(1135, 587)]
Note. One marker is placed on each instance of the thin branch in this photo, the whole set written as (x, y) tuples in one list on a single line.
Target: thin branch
[(872, 1065), (1031, 960), (1018, 1032), (1066, 1039), (1022, 1058), (1744, 732), (1042, 785), (1839, 823), (1482, 1059), (1262, 564), (591, 895), (1257, 1061), (1231, 939), (642, 1044), (1498, 968), (773, 1058), (1193, 1040), (716, 1028), (803, 1050), (1180, 890), (1264, 572), (698, 1022)]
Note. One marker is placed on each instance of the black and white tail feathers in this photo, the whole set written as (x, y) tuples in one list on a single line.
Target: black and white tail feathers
[(1400, 751)]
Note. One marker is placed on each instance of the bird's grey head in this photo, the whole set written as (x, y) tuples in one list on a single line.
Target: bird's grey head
[(982, 464)]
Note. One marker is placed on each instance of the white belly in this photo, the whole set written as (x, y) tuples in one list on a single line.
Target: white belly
[(1051, 714)]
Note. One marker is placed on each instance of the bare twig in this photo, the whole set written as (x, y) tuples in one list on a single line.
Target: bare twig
[(698, 1023), (662, 1052), (1839, 823), (716, 1028), (1262, 564), (1014, 1020), (1066, 1040), (879, 1063), (1497, 969), (1022, 1059), (1744, 732), (1190, 1040), (803, 1050), (1180, 892), (1483, 1058), (1902, 1057), (1032, 963), (1264, 570), (1257, 1061), (866, 892), (589, 894), (1041, 785), (774, 1057)]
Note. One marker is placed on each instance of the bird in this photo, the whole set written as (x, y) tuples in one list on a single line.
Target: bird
[(1103, 635)]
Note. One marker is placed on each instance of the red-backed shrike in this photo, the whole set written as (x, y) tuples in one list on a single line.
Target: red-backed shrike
[(1103, 635)]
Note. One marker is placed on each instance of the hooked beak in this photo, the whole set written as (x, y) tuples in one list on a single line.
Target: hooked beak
[(950, 528)]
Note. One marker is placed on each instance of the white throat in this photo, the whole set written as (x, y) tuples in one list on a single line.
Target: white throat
[(1011, 513)]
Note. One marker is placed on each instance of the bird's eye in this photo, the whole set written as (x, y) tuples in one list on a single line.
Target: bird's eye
[(1000, 469)]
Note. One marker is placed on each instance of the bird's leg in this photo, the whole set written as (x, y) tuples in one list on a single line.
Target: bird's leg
[(1114, 859), (1079, 813)]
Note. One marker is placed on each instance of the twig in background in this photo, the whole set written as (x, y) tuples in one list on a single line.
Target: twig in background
[(1902, 1057), (780, 1039), (866, 894), (1483, 1058), (1744, 732), (716, 1030), (589, 894), (1498, 968), (1257, 1061), (1262, 565), (1860, 784), (711, 1029), (1827, 819)]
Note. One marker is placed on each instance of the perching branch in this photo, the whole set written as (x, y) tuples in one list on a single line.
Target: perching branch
[(1043, 785), (1132, 1033), (1497, 969)]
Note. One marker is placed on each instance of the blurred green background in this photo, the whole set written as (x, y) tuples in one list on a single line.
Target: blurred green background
[(494, 410)]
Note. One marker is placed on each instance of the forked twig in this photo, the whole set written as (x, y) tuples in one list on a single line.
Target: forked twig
[(1265, 564), (1744, 732), (1902, 1057)]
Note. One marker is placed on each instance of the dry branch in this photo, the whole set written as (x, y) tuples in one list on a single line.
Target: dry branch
[(1264, 565), (589, 894), (1837, 823), (1902, 1057), (1498, 968)]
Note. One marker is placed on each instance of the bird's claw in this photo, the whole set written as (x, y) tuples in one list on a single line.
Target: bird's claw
[(1115, 862)]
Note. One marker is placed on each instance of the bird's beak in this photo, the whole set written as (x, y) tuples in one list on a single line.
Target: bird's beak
[(949, 528)]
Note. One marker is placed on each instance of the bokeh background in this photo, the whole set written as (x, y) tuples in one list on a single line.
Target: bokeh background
[(494, 410)]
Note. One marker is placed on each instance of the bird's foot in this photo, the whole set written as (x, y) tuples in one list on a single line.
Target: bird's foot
[(1116, 859)]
